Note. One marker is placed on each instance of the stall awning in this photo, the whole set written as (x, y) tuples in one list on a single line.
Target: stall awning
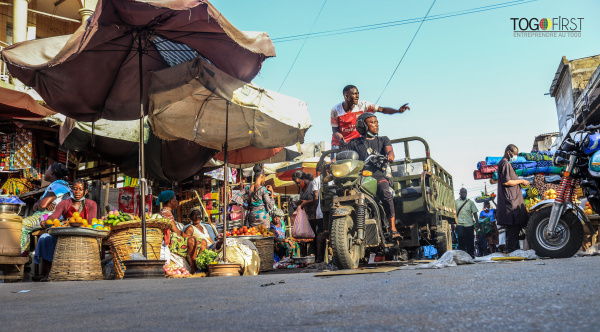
[(19, 105)]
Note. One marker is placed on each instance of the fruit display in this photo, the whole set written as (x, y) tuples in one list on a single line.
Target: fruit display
[(550, 194), (115, 217), (485, 198), (531, 202), (248, 231), (77, 221), (588, 209), (173, 271)]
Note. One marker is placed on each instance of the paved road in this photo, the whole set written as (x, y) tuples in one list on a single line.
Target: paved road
[(549, 295)]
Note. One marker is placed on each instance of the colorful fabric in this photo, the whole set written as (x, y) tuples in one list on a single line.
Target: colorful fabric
[(16, 186), (477, 175), (536, 170), (346, 121), (495, 160), (178, 245), (535, 156)]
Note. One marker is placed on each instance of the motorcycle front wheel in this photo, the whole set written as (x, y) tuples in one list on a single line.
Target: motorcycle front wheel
[(568, 239), (346, 253)]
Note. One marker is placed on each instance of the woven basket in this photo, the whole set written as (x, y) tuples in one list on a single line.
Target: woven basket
[(265, 252), (76, 258), (126, 241), (154, 223)]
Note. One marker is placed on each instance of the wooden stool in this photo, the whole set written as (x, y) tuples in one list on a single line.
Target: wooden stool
[(76, 258), (12, 268)]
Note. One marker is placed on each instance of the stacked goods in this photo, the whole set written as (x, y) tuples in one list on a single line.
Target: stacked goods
[(535, 167), (485, 198)]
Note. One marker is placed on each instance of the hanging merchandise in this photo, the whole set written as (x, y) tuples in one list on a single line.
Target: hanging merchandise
[(16, 186), (16, 150)]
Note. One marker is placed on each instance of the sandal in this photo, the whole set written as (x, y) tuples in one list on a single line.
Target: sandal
[(395, 235)]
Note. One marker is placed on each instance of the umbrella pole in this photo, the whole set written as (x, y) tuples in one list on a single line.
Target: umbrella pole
[(226, 178), (142, 165)]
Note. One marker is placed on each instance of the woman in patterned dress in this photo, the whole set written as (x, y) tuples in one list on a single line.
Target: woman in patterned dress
[(178, 242), (261, 202)]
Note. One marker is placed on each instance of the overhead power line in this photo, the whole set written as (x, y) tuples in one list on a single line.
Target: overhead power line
[(303, 43), (400, 22), (406, 51)]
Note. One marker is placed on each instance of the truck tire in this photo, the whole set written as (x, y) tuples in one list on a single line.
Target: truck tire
[(443, 238), (346, 254), (565, 245)]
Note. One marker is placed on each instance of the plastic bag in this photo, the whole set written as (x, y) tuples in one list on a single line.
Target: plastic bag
[(527, 254), (301, 228), (450, 258)]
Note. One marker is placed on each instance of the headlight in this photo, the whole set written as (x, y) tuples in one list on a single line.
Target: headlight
[(341, 170)]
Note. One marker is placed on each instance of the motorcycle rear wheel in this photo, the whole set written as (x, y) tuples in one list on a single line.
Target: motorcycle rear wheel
[(346, 254), (565, 244)]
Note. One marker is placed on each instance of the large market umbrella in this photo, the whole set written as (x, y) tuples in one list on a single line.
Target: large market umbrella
[(118, 142), (252, 155), (95, 74), (20, 105), (308, 165), (198, 102)]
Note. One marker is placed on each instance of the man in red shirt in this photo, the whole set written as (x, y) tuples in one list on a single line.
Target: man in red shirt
[(344, 115)]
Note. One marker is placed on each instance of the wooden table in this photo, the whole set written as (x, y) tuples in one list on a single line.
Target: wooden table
[(12, 268)]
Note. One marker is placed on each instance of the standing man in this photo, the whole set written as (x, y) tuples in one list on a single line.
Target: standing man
[(467, 215), (510, 210), (344, 115)]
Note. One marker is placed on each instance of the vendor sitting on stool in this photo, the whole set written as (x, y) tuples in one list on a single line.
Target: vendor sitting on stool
[(199, 231), (76, 206), (283, 247), (177, 241)]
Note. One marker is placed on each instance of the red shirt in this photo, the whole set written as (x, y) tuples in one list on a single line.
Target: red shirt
[(346, 121)]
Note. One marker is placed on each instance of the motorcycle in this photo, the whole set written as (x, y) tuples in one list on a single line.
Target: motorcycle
[(556, 227), (357, 219)]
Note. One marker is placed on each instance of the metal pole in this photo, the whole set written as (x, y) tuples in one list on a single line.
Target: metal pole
[(142, 172), (226, 178)]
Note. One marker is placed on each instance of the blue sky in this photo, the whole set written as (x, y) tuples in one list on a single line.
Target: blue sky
[(472, 86)]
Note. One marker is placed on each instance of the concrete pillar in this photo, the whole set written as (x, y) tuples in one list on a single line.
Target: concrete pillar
[(20, 20)]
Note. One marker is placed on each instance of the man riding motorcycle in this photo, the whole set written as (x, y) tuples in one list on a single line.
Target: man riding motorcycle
[(370, 143)]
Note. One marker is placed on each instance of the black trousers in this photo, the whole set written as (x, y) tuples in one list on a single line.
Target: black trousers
[(466, 239), (385, 195), (512, 237)]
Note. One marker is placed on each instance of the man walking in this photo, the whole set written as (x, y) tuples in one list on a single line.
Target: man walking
[(467, 215)]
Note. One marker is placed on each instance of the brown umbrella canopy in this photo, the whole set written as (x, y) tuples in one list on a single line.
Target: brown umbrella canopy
[(19, 105), (95, 72)]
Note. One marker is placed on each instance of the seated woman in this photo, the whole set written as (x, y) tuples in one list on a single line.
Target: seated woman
[(177, 241), (283, 247), (197, 230), (76, 206), (54, 194)]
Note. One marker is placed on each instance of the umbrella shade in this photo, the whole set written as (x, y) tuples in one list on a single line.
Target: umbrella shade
[(307, 166), (250, 154), (191, 100), (19, 105), (118, 143), (94, 73), (282, 187)]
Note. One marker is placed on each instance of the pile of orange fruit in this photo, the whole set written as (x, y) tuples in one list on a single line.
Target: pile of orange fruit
[(76, 218)]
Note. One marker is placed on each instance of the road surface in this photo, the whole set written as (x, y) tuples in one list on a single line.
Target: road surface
[(541, 295)]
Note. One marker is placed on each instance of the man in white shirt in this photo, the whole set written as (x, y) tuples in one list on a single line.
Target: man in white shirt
[(344, 115)]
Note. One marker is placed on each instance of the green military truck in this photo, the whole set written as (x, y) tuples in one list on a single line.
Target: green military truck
[(423, 197)]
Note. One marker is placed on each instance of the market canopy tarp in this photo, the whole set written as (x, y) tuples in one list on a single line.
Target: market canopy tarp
[(307, 166), (20, 105), (118, 143), (90, 75), (282, 187), (191, 100)]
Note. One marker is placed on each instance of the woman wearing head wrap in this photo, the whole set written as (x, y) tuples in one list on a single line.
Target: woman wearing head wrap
[(261, 202), (178, 242), (54, 194)]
